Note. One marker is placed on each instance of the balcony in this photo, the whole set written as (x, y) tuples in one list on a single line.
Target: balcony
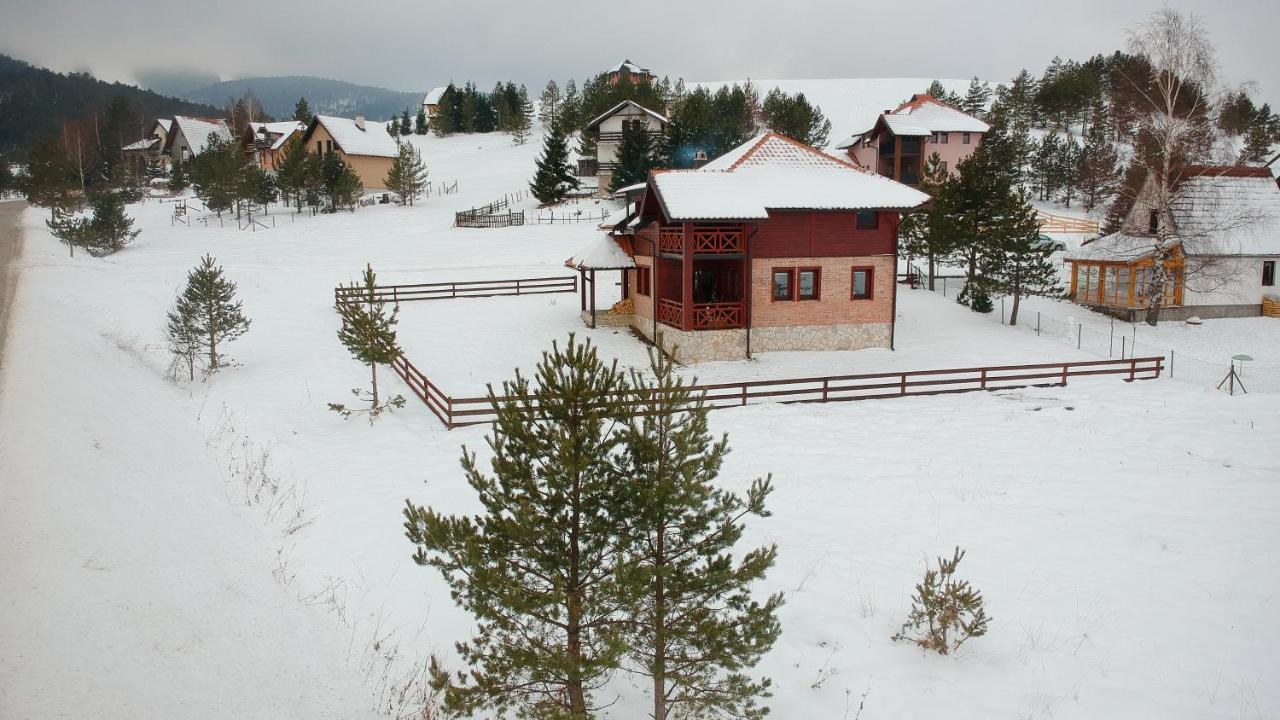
[(616, 137), (706, 239), (706, 316)]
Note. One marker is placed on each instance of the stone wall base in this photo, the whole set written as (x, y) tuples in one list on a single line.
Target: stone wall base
[(711, 345), (604, 318), (1181, 312)]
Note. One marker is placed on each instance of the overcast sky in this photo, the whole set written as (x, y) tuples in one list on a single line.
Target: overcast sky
[(416, 44)]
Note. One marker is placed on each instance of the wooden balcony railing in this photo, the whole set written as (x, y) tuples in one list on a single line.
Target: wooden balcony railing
[(706, 239), (671, 313), (706, 316), (671, 240)]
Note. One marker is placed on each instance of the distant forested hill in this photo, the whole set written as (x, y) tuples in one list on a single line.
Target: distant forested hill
[(327, 97), (36, 101)]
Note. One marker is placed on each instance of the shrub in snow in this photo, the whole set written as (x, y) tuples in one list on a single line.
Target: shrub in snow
[(945, 612), (369, 332), (106, 231), (975, 297), (205, 316)]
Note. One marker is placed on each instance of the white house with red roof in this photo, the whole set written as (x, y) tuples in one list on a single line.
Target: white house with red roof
[(901, 141), (773, 246)]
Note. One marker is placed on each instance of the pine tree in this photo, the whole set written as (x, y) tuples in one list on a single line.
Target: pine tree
[(255, 186), (945, 612), (921, 232), (339, 182), (420, 122), (393, 126), (408, 174), (553, 178), (50, 177), (369, 332), (938, 91), (976, 100), (291, 175), (1099, 173), (207, 312), (637, 155), (523, 122), (406, 125), (571, 107), (1068, 168), (549, 105), (1018, 263), (178, 178), (794, 117), (1257, 143), (302, 111), (695, 630), (216, 173), (538, 568), (104, 232)]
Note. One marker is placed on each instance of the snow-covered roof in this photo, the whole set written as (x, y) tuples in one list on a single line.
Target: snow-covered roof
[(1215, 211), (197, 131), (613, 110), (602, 253), (373, 140), (630, 67), (143, 144), (434, 95), (906, 126), (629, 188), (273, 128), (164, 124), (920, 116), (774, 172)]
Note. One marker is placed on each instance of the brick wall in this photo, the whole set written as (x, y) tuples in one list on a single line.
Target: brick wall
[(833, 306)]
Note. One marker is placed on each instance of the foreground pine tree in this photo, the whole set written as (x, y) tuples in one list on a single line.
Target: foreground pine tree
[(553, 178), (538, 567), (945, 612), (369, 332), (408, 174), (207, 312), (695, 631)]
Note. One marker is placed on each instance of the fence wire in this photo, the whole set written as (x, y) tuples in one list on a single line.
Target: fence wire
[(1124, 340)]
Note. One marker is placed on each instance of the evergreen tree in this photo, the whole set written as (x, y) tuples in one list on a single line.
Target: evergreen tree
[(553, 178), (339, 182), (408, 174), (1099, 172), (695, 629), (420, 122), (922, 232), (240, 117), (938, 91), (636, 156), (1068, 168), (550, 104), (1236, 113), (302, 111), (1257, 143), (794, 117), (523, 122), (1017, 264), (208, 312), (106, 231), (406, 126), (50, 177), (571, 116), (538, 568), (369, 332), (8, 183), (119, 123), (945, 612), (178, 178), (1020, 99), (255, 186), (975, 101), (291, 175), (216, 173)]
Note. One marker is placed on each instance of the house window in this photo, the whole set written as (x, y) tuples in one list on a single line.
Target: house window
[(868, 220), (861, 283), (965, 138), (944, 138), (808, 283), (782, 283), (1153, 221), (319, 147), (642, 280), (1268, 272)]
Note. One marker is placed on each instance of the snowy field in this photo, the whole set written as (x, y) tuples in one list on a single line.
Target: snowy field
[(1121, 533)]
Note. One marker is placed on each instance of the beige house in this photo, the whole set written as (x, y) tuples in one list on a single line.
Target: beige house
[(608, 129), (902, 140), (364, 144)]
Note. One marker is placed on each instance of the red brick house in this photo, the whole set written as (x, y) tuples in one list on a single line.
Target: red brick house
[(773, 246)]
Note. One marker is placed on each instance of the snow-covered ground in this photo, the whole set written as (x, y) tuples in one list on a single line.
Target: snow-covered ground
[(1121, 533)]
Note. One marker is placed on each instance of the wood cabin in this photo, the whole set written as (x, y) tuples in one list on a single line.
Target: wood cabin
[(631, 71), (364, 144), (264, 142), (431, 101), (189, 136), (773, 246), (1223, 234), (901, 141), (608, 128)]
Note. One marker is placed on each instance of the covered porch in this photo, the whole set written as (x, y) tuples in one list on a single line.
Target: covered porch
[(1124, 285), (701, 275)]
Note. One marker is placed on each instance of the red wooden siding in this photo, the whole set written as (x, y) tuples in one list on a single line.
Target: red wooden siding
[(822, 234)]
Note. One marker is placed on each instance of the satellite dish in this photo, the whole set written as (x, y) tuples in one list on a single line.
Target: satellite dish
[(1241, 358)]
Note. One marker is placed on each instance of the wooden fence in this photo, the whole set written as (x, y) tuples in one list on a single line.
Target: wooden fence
[(464, 289), (1050, 223), (489, 216), (463, 411)]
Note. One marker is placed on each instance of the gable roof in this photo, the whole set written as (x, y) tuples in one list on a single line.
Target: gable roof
[(373, 140), (1222, 210), (162, 123), (774, 172), (616, 108), (920, 116), (630, 67), (143, 144), (433, 96), (196, 131), (603, 252)]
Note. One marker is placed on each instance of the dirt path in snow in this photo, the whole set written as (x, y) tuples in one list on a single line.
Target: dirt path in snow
[(10, 249)]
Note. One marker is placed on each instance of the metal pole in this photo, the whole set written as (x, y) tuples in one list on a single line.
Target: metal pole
[(1170, 363), (1078, 330), (1037, 323)]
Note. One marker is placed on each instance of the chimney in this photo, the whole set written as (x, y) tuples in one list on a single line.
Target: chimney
[(699, 159), (360, 121)]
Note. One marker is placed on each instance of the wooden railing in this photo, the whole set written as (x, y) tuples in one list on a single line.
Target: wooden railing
[(717, 239), (464, 289), (1051, 223), (712, 316), (464, 411), (670, 312), (489, 216), (671, 240)]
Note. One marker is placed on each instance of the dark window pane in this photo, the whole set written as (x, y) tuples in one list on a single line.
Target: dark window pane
[(808, 284), (868, 219), (782, 285)]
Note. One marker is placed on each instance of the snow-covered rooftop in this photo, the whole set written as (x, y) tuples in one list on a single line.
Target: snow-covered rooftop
[(164, 124), (274, 128), (1216, 211), (433, 96), (143, 144), (629, 67), (197, 131), (920, 116), (603, 252), (613, 110), (373, 140), (773, 172)]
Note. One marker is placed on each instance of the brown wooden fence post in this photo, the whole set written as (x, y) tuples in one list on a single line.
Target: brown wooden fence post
[(1133, 369), (903, 387), (1064, 374), (825, 382), (984, 378), (744, 394)]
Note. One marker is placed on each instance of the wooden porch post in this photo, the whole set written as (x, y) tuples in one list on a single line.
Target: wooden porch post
[(1133, 281), (686, 279), (1075, 272), (593, 298), (897, 158), (582, 289)]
